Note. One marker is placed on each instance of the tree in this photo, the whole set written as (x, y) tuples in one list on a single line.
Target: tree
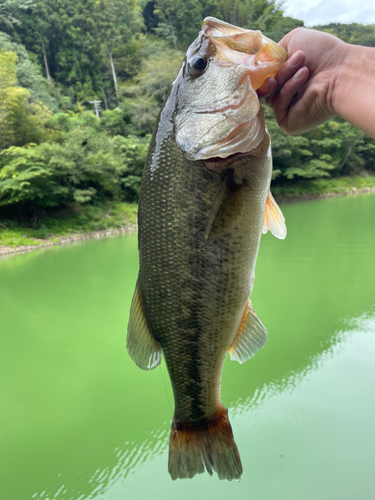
[(334, 148), (10, 11), (150, 87), (118, 22), (63, 33), (29, 74), (84, 165), (179, 20), (20, 121), (357, 34)]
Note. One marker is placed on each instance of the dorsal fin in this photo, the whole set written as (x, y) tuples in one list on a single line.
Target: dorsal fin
[(273, 218)]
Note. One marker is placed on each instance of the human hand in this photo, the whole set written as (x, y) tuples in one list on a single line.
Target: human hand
[(303, 93)]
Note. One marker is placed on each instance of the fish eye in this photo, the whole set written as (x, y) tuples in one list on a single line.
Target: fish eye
[(197, 65)]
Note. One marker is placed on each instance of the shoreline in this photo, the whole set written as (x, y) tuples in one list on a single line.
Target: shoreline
[(283, 199), (106, 233), (66, 240)]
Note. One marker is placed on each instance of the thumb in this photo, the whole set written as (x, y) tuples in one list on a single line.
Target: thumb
[(285, 42)]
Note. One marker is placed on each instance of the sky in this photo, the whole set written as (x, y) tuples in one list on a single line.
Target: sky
[(314, 12)]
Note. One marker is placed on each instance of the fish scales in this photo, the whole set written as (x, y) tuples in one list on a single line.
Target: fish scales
[(206, 281), (202, 208)]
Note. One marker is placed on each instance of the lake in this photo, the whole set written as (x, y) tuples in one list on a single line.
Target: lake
[(79, 420)]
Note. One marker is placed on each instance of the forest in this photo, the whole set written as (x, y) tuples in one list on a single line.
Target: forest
[(59, 57)]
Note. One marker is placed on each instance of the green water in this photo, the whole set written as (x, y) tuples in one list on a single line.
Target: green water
[(78, 420)]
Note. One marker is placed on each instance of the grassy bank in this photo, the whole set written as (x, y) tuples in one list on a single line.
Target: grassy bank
[(77, 221), (317, 188)]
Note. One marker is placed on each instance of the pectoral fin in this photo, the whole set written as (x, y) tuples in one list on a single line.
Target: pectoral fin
[(220, 196), (250, 338), (228, 201), (274, 219), (144, 350)]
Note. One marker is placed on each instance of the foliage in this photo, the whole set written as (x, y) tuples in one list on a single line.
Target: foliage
[(29, 74), (55, 152), (280, 26), (117, 21), (310, 188), (357, 34), (73, 219), (63, 34), (150, 87), (21, 121), (334, 148), (73, 41), (133, 152), (10, 11), (83, 165), (178, 21)]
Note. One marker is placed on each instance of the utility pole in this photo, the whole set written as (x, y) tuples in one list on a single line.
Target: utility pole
[(97, 107)]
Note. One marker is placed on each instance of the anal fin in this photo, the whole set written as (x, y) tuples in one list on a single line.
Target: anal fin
[(250, 338), (143, 349)]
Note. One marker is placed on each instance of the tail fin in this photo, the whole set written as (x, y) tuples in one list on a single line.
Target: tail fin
[(210, 445)]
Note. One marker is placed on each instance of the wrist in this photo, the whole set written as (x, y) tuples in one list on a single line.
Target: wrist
[(352, 87), (343, 78)]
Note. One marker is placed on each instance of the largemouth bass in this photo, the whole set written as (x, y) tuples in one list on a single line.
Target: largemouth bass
[(203, 204)]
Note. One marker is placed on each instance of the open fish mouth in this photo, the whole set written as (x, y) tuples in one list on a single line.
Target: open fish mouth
[(249, 48), (222, 114)]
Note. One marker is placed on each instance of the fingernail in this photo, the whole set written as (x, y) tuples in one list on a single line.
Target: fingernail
[(300, 73), (294, 60)]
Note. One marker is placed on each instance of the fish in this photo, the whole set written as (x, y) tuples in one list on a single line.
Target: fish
[(204, 202)]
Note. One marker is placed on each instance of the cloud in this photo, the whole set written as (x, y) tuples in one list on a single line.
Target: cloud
[(324, 12)]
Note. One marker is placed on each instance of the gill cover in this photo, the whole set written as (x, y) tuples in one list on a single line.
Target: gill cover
[(218, 112)]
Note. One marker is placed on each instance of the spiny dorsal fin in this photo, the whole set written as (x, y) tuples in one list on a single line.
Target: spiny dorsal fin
[(143, 349), (274, 219), (250, 338)]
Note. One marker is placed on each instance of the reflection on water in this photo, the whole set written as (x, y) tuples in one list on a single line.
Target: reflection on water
[(305, 415), (129, 457), (80, 421)]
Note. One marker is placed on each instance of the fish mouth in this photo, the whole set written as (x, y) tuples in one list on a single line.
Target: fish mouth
[(250, 48)]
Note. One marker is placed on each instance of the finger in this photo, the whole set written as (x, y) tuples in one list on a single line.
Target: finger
[(283, 99), (290, 67), (286, 71), (268, 88)]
